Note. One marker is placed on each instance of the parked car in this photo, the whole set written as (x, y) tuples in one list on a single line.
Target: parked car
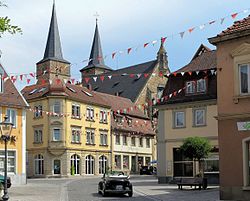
[(115, 182), (8, 181), (145, 170)]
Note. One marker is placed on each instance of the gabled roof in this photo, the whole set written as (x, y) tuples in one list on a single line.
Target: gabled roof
[(53, 49), (10, 96), (70, 91), (96, 57), (203, 61), (122, 82), (201, 50), (140, 123), (240, 28), (206, 60)]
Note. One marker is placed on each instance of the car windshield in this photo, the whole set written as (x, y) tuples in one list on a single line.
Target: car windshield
[(116, 174)]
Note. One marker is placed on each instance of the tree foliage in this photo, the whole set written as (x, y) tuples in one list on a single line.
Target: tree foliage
[(6, 26), (196, 148)]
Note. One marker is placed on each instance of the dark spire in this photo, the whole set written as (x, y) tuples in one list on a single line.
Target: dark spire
[(96, 56), (53, 49)]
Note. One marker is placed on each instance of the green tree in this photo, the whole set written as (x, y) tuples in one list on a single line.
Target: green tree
[(6, 26), (196, 148)]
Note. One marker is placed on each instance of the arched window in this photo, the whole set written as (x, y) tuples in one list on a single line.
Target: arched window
[(75, 164), (103, 164), (90, 164), (39, 165)]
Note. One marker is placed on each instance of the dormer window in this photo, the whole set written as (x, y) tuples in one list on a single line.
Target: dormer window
[(118, 120), (129, 122), (196, 87)]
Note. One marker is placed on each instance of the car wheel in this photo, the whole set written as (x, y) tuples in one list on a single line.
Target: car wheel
[(130, 194)]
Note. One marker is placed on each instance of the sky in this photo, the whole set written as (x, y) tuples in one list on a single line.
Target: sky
[(122, 24)]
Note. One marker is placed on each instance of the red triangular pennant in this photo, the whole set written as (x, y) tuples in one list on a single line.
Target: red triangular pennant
[(21, 77), (191, 29), (113, 55), (145, 45), (28, 81), (102, 78), (72, 81), (87, 79), (234, 15), (129, 49), (163, 40), (146, 75)]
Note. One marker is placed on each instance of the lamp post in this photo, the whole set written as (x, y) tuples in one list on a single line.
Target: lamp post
[(5, 131)]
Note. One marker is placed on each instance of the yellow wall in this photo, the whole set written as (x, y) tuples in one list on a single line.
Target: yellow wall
[(17, 146)]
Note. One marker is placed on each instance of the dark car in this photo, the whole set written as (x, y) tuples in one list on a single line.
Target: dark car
[(145, 170), (8, 181), (115, 183)]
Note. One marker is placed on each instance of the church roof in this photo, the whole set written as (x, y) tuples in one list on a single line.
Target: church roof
[(96, 57), (126, 82), (53, 49)]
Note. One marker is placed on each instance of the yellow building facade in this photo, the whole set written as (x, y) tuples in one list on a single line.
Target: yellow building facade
[(13, 106), (67, 135)]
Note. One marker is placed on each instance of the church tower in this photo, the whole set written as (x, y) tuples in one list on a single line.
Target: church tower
[(96, 63), (53, 64), (162, 59)]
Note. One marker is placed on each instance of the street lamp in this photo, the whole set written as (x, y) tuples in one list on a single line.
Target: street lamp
[(5, 131)]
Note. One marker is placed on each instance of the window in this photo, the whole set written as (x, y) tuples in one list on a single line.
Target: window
[(75, 164), (11, 164), (160, 90), (117, 139), (57, 167), (119, 120), (39, 165), (124, 139), (103, 164), (201, 85), (75, 111), (1, 83), (125, 162), (182, 165), (179, 119), (90, 164), (103, 116), (11, 114), (190, 87), (56, 134), (38, 111), (141, 142), (133, 141), (211, 164), (90, 114), (103, 138), (148, 142), (90, 136), (38, 136), (244, 78), (147, 161), (129, 122), (57, 108), (196, 87), (75, 135), (118, 161), (199, 117)]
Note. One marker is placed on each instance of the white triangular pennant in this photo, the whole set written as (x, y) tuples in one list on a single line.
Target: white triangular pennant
[(153, 74), (212, 72), (202, 26), (179, 91), (50, 81), (182, 73), (170, 95), (95, 78), (197, 72), (110, 76), (138, 75)]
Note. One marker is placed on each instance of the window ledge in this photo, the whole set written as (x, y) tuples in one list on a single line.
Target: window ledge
[(197, 126), (92, 120), (246, 188), (57, 141), (37, 142), (91, 144), (78, 118), (237, 98), (76, 143), (101, 122), (179, 127), (103, 145)]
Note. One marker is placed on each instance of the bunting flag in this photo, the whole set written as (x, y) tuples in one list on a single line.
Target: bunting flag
[(182, 34), (145, 45), (113, 55), (222, 20), (191, 29), (163, 40), (234, 15), (129, 49)]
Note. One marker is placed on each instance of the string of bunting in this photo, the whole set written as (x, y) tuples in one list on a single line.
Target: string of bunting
[(29, 76), (100, 77), (164, 38), (126, 110)]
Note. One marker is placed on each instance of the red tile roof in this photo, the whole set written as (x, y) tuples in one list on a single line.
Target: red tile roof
[(238, 26), (10, 96)]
